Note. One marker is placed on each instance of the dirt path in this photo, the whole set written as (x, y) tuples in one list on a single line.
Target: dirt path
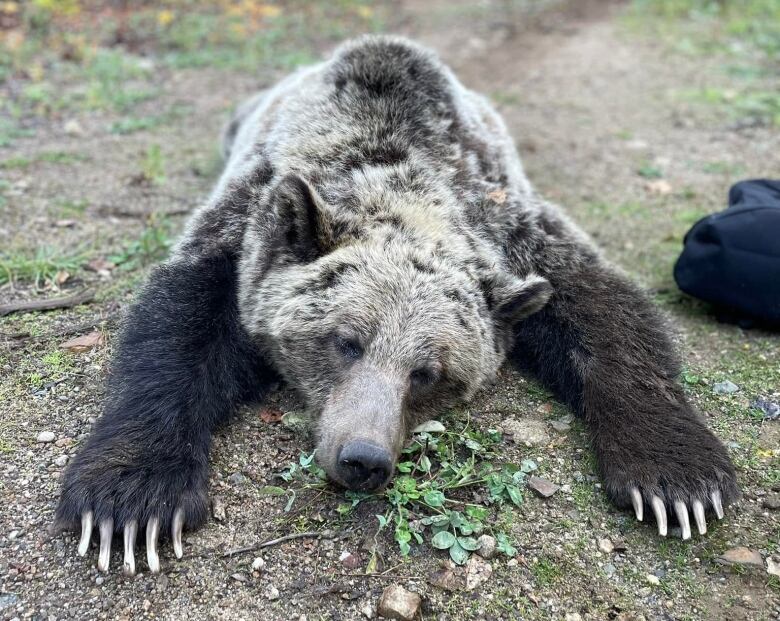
[(591, 103)]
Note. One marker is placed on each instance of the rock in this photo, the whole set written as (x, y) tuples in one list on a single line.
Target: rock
[(654, 580), (398, 603), (218, 508), (562, 425), (609, 570), (258, 564), (772, 502), (478, 572), (430, 426), (45, 437), (773, 566), (367, 610), (526, 432), (487, 546), (85, 342), (239, 577), (64, 442), (449, 577), (272, 593), (725, 388), (61, 461), (349, 560), (73, 128), (744, 557), (658, 186), (770, 409), (572, 616), (605, 545), (543, 487), (237, 479)]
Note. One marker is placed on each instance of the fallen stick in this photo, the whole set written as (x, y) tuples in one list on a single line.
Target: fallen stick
[(270, 542), (50, 304)]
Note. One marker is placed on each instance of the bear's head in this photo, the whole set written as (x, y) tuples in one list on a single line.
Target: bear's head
[(379, 332)]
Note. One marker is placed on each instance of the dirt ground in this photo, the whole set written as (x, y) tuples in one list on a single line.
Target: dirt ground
[(635, 133)]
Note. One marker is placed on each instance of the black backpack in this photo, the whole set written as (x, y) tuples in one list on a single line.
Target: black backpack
[(732, 258)]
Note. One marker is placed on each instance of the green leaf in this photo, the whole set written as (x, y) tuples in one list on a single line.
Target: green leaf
[(425, 464), (406, 484), (528, 465), (404, 547), (272, 490), (504, 546), (477, 513), (443, 540), (417, 537), (473, 445), (468, 543), (344, 508), (465, 528), (382, 521), (458, 554), (434, 498), (405, 466), (456, 519), (306, 460), (515, 495)]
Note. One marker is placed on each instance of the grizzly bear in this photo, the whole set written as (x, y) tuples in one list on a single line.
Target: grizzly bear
[(373, 241)]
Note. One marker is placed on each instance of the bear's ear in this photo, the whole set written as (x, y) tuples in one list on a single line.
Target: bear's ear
[(511, 299), (303, 222)]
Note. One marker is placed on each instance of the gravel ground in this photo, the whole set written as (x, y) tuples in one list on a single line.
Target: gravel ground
[(600, 111)]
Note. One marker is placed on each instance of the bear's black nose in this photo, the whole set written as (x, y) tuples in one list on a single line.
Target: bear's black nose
[(364, 466)]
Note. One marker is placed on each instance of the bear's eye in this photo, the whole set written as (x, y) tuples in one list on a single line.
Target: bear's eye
[(422, 376), (348, 347)]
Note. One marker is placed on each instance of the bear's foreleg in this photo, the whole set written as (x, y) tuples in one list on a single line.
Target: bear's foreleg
[(602, 347), (182, 365)]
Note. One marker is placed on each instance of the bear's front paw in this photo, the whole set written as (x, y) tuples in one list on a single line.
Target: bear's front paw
[(680, 468), (121, 489)]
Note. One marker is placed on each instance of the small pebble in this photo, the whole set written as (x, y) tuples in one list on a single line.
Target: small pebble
[(543, 487), (46, 436), (741, 556), (725, 388), (398, 603), (258, 564), (487, 546), (605, 545), (272, 593), (61, 461), (654, 580)]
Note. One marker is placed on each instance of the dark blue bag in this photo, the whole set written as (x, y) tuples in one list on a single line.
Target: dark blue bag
[(732, 258)]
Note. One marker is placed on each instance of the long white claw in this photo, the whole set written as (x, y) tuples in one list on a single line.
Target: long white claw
[(698, 515), (176, 527), (717, 504), (86, 532), (660, 514), (639, 505), (682, 517), (152, 532), (131, 530), (106, 534)]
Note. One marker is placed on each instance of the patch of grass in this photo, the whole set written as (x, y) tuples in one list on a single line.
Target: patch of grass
[(10, 132), (546, 572), (116, 80), (132, 124), (505, 98), (648, 171), (38, 268), (71, 208), (153, 165), (432, 495), (151, 246), (52, 157), (723, 168), (705, 26), (759, 106)]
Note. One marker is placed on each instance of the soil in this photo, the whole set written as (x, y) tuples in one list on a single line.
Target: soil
[(590, 101)]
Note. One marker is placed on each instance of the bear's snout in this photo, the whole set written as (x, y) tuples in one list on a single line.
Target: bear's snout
[(364, 466)]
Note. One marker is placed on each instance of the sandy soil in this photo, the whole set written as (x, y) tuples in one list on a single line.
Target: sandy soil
[(590, 100)]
